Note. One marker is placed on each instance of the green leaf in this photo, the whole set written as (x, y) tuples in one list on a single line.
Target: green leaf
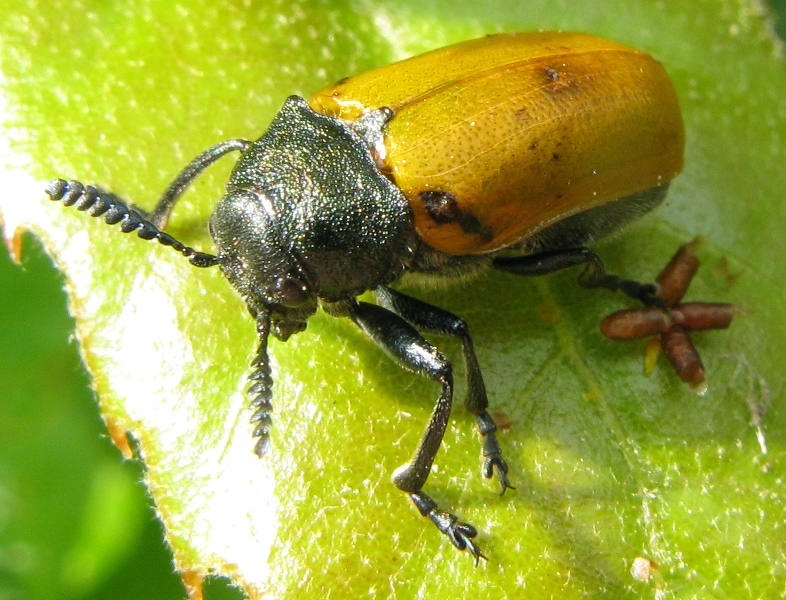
[(610, 464)]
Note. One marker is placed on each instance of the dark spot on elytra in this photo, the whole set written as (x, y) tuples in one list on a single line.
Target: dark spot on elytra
[(555, 156), (443, 208), (560, 81), (534, 145)]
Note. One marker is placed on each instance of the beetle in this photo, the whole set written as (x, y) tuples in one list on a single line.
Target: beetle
[(513, 152)]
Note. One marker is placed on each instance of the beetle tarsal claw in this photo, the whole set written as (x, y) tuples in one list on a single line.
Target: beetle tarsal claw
[(493, 462), (497, 464), (460, 534), (649, 295), (492, 453)]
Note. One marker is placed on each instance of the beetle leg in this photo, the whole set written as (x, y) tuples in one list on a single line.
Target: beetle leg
[(432, 319), (410, 350), (594, 274)]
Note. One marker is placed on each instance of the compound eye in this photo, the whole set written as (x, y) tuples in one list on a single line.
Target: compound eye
[(290, 292)]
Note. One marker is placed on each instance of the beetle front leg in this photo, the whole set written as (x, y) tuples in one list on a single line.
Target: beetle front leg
[(594, 274), (432, 319), (411, 351)]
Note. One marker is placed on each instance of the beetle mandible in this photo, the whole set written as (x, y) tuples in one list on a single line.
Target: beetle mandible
[(536, 143)]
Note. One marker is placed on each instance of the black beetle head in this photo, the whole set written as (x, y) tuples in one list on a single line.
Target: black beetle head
[(259, 263)]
